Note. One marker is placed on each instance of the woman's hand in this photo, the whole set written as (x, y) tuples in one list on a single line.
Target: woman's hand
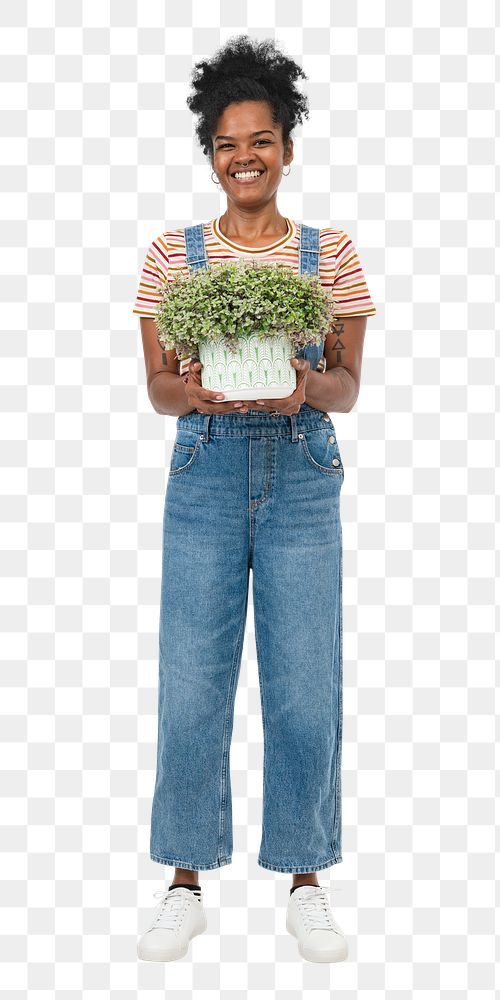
[(205, 400), (290, 404)]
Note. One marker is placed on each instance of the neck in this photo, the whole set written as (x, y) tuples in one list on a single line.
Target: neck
[(252, 224)]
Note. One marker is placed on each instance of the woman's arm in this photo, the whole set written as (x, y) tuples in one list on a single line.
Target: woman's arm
[(337, 389), (166, 389)]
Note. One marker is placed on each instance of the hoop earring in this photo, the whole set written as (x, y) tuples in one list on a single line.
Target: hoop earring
[(289, 168), (217, 181)]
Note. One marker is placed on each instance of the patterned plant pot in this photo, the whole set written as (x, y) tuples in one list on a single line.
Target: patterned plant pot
[(260, 368)]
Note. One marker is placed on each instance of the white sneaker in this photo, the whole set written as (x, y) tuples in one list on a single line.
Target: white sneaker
[(177, 918), (310, 920)]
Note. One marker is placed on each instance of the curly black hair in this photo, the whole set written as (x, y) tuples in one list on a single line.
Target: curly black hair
[(246, 70)]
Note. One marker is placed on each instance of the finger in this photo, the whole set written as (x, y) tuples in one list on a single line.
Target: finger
[(300, 364), (209, 395)]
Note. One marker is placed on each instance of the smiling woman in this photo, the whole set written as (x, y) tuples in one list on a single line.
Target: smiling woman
[(256, 489), (248, 105)]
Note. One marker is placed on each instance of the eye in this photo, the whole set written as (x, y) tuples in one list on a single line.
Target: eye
[(226, 144)]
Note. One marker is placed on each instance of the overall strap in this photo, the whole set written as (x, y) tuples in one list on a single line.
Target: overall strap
[(196, 257), (309, 250), (196, 254), (309, 254)]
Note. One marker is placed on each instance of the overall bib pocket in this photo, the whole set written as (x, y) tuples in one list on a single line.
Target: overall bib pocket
[(321, 450), (185, 451)]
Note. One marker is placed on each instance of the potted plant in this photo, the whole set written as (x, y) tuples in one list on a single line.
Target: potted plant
[(244, 320)]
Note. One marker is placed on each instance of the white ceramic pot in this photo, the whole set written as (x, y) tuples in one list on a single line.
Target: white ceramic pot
[(260, 368)]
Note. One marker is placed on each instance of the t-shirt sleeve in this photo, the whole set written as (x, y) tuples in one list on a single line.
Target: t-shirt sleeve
[(349, 288), (154, 274)]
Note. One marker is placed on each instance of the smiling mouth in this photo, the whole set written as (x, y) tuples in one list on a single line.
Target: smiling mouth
[(247, 180)]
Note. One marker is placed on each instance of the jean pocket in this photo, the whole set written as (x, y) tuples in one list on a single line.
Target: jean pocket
[(185, 451), (320, 448)]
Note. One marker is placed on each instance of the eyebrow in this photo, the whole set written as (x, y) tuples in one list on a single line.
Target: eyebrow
[(260, 132)]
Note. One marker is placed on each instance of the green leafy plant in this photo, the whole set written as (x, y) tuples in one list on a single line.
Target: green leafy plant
[(235, 299)]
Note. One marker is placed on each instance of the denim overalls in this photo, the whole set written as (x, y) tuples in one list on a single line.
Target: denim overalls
[(261, 492)]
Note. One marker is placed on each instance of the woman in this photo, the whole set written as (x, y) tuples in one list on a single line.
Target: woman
[(252, 484)]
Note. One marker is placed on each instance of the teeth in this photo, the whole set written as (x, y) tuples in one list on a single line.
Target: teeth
[(249, 173)]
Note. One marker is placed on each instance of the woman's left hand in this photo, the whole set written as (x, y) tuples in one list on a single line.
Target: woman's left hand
[(290, 404)]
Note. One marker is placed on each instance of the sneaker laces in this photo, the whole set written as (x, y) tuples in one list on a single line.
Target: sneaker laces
[(169, 909), (315, 908)]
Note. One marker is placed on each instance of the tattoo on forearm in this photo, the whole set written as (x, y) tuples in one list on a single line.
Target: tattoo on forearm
[(338, 346), (164, 358)]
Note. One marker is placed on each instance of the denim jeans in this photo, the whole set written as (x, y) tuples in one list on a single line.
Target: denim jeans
[(262, 492)]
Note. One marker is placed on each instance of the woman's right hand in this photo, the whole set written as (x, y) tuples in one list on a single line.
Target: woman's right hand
[(205, 400)]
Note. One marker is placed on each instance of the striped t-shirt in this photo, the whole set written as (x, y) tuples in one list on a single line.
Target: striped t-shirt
[(339, 267)]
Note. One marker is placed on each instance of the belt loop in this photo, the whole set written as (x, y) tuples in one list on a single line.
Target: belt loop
[(206, 426), (293, 418)]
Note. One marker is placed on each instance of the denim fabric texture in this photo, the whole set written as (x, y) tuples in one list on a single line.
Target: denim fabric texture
[(261, 492)]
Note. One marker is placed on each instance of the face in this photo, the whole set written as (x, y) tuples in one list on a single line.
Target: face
[(237, 148)]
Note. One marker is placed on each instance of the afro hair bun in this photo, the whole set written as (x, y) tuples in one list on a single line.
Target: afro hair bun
[(246, 70)]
